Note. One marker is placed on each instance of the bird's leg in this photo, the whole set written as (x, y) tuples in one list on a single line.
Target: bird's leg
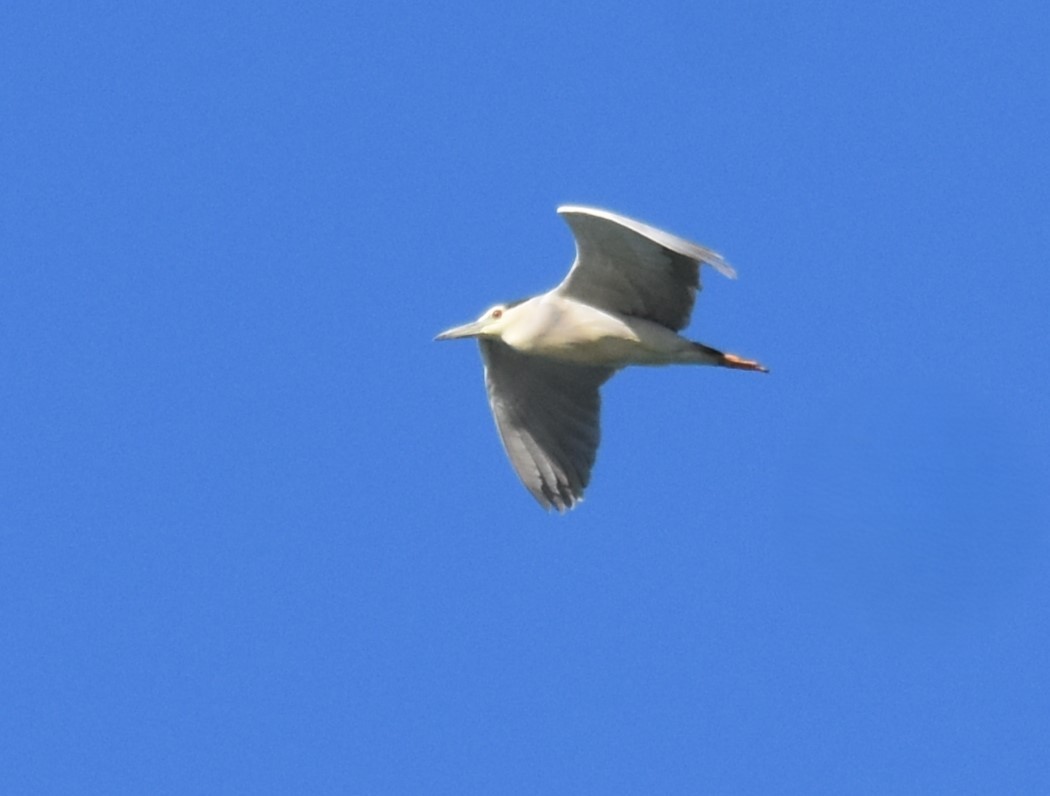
[(733, 361), (713, 356)]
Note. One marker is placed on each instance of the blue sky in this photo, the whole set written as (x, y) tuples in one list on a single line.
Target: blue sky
[(257, 533)]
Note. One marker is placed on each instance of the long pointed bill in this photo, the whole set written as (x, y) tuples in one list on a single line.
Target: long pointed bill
[(472, 329)]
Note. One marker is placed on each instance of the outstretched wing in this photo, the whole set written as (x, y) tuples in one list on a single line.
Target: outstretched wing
[(630, 268), (547, 413)]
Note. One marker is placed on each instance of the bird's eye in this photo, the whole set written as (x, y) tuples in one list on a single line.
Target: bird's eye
[(497, 313)]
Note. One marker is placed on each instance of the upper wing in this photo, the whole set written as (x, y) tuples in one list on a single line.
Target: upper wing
[(547, 415), (630, 268)]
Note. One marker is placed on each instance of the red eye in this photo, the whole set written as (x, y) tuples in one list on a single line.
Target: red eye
[(497, 313)]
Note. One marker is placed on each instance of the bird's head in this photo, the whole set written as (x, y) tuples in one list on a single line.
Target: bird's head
[(491, 324)]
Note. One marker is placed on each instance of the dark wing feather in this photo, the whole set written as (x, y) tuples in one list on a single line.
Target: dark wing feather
[(547, 413), (630, 268)]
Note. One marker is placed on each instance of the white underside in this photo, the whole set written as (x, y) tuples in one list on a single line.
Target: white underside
[(567, 330)]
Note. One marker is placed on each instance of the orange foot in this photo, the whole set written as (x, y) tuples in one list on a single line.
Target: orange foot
[(733, 361)]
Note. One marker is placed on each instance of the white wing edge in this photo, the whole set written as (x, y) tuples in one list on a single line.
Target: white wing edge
[(658, 236)]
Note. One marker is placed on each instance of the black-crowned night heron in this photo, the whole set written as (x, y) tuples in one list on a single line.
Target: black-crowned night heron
[(630, 290)]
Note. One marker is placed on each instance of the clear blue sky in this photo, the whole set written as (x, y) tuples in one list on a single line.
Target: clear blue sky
[(257, 533)]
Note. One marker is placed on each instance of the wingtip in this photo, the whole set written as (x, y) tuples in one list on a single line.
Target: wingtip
[(720, 264), (560, 502), (715, 260)]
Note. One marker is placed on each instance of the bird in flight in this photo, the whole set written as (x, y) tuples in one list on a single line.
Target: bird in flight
[(629, 292)]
